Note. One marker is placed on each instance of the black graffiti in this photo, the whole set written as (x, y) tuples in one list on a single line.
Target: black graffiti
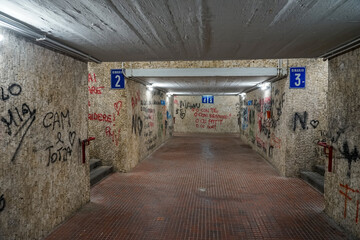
[(334, 139), (57, 156), (314, 123), (151, 147), (351, 156), (14, 90), (271, 151), (301, 118), (19, 119), (251, 115), (186, 105), (72, 136), (59, 138), (257, 105), (166, 125), (265, 130), (151, 140), (182, 113), (137, 124), (62, 152), (25, 110), (52, 119), (2, 203), (157, 102)]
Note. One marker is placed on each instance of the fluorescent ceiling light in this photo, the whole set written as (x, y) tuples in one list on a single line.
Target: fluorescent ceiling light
[(264, 86)]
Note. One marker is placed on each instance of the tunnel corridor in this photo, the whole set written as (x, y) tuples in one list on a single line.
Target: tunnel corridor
[(201, 187), (179, 119)]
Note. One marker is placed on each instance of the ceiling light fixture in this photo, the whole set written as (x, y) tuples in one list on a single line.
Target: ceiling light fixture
[(1, 37), (264, 86), (243, 95), (150, 87)]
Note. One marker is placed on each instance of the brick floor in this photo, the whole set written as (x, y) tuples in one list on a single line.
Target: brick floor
[(201, 188)]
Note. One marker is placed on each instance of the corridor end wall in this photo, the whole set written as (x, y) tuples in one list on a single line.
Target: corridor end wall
[(128, 124), (342, 185), (43, 118), (284, 124), (193, 116)]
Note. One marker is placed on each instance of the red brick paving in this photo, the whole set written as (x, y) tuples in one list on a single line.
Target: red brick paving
[(201, 188)]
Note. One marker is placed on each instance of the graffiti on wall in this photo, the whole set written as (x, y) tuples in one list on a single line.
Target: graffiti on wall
[(301, 120), (349, 155), (113, 134), (349, 194), (93, 89), (209, 117), (137, 125), (184, 105), (64, 136), (2, 203), (17, 120)]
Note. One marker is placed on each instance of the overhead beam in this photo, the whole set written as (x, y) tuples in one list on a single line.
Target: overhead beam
[(201, 72)]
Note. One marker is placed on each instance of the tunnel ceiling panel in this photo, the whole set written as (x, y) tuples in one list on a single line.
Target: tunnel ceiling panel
[(204, 85), (143, 30)]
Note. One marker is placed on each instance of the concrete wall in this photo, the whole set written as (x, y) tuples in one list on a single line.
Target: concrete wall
[(342, 186), (43, 117), (284, 124), (131, 123), (193, 116)]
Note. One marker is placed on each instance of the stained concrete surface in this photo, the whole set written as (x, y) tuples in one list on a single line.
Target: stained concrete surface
[(201, 187), (193, 30)]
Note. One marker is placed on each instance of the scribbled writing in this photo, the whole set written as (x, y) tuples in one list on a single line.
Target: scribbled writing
[(350, 155), (61, 148), (113, 134), (2, 203), (347, 197), (101, 117), (17, 120)]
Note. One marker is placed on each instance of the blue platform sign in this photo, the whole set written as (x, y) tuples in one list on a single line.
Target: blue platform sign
[(117, 79), (297, 77), (210, 99), (162, 102), (204, 99)]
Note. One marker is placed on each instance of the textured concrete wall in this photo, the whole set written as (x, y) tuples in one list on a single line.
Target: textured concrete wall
[(285, 124), (193, 116), (43, 117), (342, 186), (130, 123)]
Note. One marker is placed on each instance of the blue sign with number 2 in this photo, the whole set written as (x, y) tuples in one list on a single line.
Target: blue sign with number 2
[(297, 77), (117, 79)]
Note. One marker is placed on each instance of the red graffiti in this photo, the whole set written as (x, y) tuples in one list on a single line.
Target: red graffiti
[(347, 197), (118, 106), (90, 78), (115, 136), (176, 102), (95, 90), (89, 103), (101, 117), (135, 100), (275, 141)]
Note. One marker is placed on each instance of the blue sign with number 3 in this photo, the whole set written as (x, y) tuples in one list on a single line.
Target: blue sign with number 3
[(117, 79), (297, 77)]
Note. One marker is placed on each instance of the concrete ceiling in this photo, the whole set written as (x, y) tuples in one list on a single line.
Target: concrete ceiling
[(204, 86), (143, 30), (200, 81)]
